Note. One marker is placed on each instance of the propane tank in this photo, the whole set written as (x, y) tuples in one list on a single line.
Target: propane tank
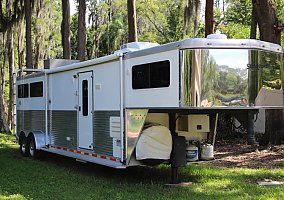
[(207, 152), (191, 152)]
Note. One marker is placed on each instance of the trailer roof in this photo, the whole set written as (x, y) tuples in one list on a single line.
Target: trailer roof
[(193, 43), (205, 43)]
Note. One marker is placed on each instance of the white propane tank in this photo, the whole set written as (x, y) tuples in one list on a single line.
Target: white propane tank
[(191, 153), (207, 152)]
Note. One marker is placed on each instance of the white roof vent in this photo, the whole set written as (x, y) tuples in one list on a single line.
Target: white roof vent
[(134, 46), (217, 35)]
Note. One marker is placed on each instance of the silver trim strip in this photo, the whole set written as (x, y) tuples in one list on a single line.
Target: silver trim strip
[(101, 161), (46, 109), (30, 70), (84, 64), (204, 43), (209, 108), (121, 106)]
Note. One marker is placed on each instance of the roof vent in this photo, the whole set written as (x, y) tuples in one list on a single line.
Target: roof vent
[(217, 35), (134, 46)]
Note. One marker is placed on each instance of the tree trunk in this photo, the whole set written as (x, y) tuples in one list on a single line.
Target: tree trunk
[(209, 17), (188, 16), (81, 42), (270, 30), (10, 48), (29, 49), (269, 26), (132, 26), (197, 13), (37, 36), (20, 47), (3, 123), (109, 21), (65, 29), (3, 58), (253, 25)]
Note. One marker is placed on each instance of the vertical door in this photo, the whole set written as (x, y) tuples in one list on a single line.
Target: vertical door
[(85, 117)]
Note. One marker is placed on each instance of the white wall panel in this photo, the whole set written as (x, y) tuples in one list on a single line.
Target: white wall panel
[(34, 103), (62, 91), (155, 97), (106, 86)]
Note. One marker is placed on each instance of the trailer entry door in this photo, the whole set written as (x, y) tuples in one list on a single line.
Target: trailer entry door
[(85, 110)]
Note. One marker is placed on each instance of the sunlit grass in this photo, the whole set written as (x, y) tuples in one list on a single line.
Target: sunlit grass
[(56, 177)]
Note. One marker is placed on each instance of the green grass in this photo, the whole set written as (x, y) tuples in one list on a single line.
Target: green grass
[(57, 177)]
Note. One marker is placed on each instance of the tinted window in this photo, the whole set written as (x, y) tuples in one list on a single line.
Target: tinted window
[(85, 97), (36, 89), (151, 75), (23, 91)]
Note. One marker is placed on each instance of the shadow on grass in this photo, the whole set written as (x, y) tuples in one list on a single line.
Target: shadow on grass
[(60, 177), (138, 174)]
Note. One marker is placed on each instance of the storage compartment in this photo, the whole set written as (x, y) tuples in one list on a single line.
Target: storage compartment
[(193, 127)]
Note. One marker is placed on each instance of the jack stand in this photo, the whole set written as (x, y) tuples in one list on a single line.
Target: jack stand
[(250, 129), (178, 155), (174, 179)]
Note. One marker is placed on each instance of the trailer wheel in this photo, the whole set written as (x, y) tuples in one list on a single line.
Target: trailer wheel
[(32, 151), (23, 146)]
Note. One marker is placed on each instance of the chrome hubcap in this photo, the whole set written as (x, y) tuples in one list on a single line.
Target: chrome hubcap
[(32, 149), (23, 148)]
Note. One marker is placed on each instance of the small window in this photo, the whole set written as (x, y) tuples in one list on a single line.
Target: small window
[(23, 91), (151, 75), (36, 89), (85, 97)]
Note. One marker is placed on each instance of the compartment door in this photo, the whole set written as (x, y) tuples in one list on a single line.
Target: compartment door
[(85, 116)]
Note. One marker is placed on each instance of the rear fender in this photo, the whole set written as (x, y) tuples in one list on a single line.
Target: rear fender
[(39, 137)]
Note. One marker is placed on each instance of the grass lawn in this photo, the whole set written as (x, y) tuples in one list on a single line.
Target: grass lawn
[(57, 177)]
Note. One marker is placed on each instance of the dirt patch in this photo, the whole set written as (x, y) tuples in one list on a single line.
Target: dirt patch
[(229, 154)]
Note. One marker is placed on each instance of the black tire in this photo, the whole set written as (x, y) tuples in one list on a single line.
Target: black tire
[(23, 146), (32, 151)]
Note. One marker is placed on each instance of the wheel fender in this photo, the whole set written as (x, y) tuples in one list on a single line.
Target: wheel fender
[(39, 137)]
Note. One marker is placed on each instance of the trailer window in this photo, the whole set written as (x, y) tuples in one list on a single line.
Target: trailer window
[(151, 75), (36, 89), (85, 97), (23, 91)]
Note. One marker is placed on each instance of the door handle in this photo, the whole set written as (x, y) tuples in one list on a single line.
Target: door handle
[(79, 108)]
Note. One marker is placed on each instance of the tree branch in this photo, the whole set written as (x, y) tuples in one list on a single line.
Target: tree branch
[(155, 25)]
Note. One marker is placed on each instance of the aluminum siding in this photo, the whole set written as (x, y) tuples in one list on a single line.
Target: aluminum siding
[(30, 120), (102, 140), (63, 125)]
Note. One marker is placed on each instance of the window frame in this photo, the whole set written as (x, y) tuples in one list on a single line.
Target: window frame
[(85, 97), (24, 92), (151, 68), (36, 89)]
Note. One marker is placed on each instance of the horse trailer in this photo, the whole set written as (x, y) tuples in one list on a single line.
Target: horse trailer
[(142, 104)]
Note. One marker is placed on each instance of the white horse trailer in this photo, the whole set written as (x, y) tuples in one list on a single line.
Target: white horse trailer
[(141, 104)]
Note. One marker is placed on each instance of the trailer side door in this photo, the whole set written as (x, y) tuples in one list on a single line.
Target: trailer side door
[(85, 116)]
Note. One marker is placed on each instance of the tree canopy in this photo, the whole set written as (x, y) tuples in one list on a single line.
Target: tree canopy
[(107, 28)]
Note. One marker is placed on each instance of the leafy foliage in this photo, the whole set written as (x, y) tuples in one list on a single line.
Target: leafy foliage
[(239, 12)]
